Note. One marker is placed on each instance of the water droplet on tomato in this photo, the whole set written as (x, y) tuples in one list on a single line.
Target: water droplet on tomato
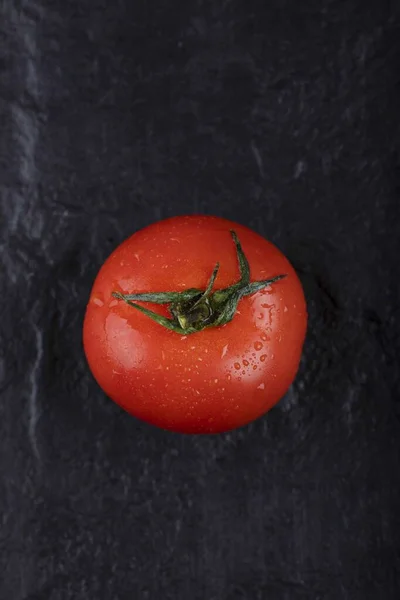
[(264, 337), (263, 357), (255, 367), (260, 316), (258, 345), (237, 366), (224, 351), (246, 363)]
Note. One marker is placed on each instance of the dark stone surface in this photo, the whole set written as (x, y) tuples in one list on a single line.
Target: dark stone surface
[(282, 115)]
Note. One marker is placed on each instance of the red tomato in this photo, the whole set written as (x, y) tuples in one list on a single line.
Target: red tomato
[(217, 360)]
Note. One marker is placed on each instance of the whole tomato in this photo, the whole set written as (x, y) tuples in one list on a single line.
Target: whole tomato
[(195, 324)]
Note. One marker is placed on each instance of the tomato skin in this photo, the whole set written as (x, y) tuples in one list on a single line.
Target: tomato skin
[(211, 381)]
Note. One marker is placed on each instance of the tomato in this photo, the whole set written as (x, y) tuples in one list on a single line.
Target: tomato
[(190, 345)]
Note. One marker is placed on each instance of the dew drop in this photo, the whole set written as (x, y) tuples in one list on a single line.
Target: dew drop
[(264, 337), (243, 372), (263, 357), (237, 366), (258, 345), (260, 316), (246, 363), (254, 367)]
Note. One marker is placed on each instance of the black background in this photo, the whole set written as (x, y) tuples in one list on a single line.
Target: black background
[(283, 115)]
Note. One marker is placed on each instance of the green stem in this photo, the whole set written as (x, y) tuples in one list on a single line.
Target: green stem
[(193, 310), (209, 287)]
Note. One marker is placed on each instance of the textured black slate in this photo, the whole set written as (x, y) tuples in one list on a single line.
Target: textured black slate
[(283, 115)]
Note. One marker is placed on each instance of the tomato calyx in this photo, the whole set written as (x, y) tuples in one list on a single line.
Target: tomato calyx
[(193, 310)]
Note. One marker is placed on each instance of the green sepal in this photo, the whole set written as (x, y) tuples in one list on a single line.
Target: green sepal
[(193, 310)]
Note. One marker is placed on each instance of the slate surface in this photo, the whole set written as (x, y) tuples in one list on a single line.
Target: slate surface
[(282, 115)]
